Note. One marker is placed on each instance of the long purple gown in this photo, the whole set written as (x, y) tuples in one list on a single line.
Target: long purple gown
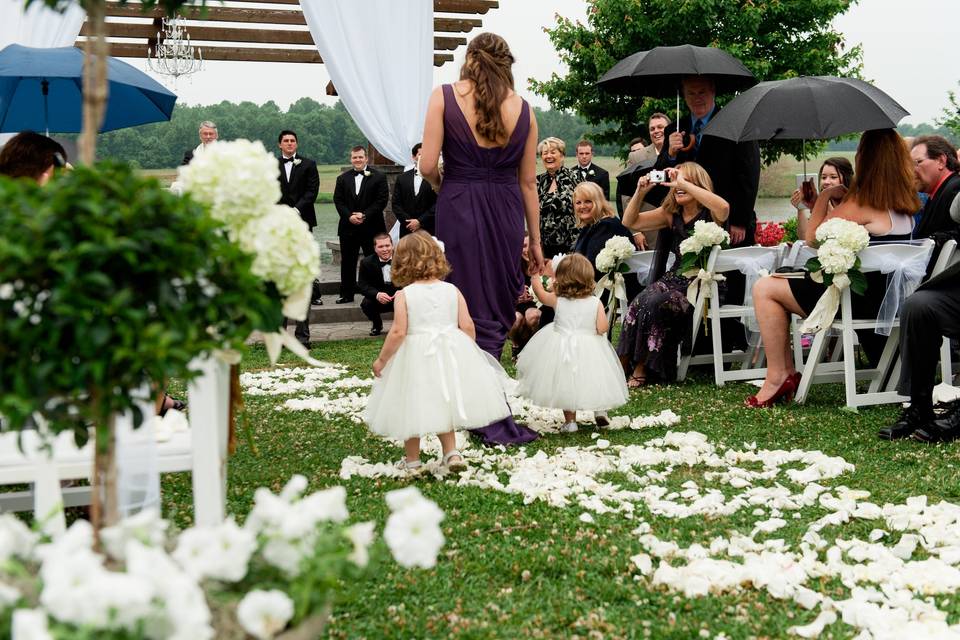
[(480, 219)]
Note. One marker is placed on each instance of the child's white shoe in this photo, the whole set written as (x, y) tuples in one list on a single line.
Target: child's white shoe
[(454, 461), (602, 419), (410, 468), (569, 427)]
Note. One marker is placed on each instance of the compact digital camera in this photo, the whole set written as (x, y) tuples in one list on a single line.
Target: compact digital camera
[(657, 176)]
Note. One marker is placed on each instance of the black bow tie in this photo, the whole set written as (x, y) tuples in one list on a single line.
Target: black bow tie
[(286, 160), (383, 264), (357, 173)]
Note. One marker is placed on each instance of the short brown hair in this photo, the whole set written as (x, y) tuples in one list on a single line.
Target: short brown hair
[(358, 149), (660, 116), (29, 154), (585, 143), (418, 256), (939, 146), (601, 207), (381, 236), (574, 277), (884, 178)]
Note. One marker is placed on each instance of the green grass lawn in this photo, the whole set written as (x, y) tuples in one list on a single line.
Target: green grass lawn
[(511, 570)]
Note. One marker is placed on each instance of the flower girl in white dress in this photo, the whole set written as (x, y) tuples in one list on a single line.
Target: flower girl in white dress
[(569, 364), (431, 377)]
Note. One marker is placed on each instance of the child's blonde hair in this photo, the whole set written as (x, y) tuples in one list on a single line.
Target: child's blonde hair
[(574, 277), (418, 257)]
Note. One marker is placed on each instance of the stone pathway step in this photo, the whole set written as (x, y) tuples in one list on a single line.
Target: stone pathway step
[(330, 312)]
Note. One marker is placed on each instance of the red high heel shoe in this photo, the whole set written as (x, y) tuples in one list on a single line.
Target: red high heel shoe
[(783, 395)]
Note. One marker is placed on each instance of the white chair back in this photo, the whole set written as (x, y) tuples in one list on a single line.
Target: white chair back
[(798, 255), (641, 263)]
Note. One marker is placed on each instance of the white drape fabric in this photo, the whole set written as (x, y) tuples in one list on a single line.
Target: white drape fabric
[(39, 26), (379, 54)]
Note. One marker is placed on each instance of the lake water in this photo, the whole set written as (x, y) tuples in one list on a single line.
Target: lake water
[(775, 209)]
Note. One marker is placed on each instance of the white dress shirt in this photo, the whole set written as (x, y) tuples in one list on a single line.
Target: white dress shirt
[(288, 166), (357, 180), (417, 181)]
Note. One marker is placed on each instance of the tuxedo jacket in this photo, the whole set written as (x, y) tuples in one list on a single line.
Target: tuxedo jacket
[(600, 177), (410, 206), (187, 157), (936, 213), (370, 278), (734, 168), (301, 190), (371, 201)]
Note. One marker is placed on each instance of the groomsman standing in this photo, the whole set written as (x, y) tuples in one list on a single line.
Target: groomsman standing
[(208, 133), (360, 197), (588, 171), (299, 185), (375, 282), (414, 200)]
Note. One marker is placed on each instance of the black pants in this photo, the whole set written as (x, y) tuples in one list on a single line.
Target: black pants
[(372, 309), (350, 247), (926, 317)]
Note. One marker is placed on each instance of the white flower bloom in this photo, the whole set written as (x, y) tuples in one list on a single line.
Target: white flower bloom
[(284, 250), (413, 534), (221, 552), (263, 614), (6, 291), (361, 535), (8, 595), (30, 624), (146, 526), (328, 505), (402, 498), (16, 539), (605, 260)]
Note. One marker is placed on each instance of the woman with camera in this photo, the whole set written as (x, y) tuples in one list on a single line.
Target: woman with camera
[(658, 320)]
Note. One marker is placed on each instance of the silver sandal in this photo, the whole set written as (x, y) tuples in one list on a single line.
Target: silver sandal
[(455, 466), (410, 468)]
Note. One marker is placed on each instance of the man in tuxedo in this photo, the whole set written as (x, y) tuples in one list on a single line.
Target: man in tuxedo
[(935, 172), (590, 172), (208, 134), (414, 200), (299, 185), (734, 167), (375, 282), (931, 313), (360, 197)]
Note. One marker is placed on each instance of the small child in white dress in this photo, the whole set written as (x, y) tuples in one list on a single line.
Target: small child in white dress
[(569, 364), (431, 377)]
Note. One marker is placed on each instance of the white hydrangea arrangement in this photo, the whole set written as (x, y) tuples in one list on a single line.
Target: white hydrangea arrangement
[(695, 249), (298, 545), (612, 261), (836, 265), (237, 180)]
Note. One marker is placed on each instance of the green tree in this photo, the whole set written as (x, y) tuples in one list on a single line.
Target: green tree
[(775, 39), (951, 119)]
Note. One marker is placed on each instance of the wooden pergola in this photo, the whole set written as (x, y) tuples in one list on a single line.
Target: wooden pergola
[(276, 29)]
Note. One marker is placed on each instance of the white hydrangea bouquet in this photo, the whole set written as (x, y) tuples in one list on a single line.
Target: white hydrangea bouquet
[(237, 180), (836, 265), (612, 262), (273, 577), (694, 254)]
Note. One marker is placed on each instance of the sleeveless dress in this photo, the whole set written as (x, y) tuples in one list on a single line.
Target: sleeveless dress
[(438, 380), (659, 319), (568, 365), (480, 219)]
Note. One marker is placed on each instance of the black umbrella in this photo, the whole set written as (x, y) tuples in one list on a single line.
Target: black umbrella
[(805, 108), (658, 72)]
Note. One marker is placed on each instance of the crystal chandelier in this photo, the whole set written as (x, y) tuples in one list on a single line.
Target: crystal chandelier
[(174, 55)]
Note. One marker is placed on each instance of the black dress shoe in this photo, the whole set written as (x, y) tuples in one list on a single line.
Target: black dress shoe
[(944, 429), (317, 302), (376, 331), (911, 419), (342, 300), (305, 344)]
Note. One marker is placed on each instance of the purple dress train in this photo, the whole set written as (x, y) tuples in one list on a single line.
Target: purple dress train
[(481, 223)]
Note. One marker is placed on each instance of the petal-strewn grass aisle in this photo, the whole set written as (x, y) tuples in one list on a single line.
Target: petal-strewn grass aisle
[(566, 539)]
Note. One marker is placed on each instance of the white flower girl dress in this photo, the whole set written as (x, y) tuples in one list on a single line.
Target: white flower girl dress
[(568, 365), (438, 380)]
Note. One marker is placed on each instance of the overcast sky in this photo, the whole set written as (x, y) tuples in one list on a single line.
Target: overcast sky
[(908, 51)]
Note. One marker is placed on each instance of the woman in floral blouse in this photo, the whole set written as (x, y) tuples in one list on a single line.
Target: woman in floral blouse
[(558, 226)]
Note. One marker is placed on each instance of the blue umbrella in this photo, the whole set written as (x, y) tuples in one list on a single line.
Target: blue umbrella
[(41, 90)]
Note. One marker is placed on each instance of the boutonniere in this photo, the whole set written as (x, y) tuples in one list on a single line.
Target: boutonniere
[(297, 161), (366, 174), (591, 172)]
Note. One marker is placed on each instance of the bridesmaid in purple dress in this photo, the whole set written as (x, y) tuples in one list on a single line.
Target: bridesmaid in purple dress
[(488, 136)]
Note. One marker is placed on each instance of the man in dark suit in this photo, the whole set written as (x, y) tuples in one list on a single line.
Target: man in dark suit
[(414, 200), (208, 134), (588, 171), (931, 313), (299, 185), (360, 197), (935, 171), (375, 282), (733, 167)]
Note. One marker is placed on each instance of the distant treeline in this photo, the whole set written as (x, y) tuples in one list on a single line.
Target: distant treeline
[(326, 133), (906, 130)]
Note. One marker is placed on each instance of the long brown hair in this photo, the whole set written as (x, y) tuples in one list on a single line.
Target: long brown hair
[(487, 65), (884, 178)]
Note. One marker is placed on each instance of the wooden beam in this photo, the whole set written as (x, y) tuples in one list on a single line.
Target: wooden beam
[(456, 25), (213, 14), (239, 35), (464, 6), (245, 54)]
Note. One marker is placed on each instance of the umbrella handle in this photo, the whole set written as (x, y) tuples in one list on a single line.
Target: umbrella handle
[(691, 144)]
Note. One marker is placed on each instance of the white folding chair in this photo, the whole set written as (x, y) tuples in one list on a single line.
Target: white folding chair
[(750, 259), (641, 263), (815, 371)]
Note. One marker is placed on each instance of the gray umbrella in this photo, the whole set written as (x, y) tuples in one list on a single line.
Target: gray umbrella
[(805, 108), (657, 72)]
